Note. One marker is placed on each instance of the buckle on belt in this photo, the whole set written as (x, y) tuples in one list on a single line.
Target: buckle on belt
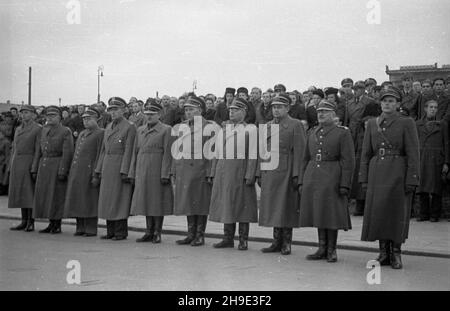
[(318, 157), (382, 152)]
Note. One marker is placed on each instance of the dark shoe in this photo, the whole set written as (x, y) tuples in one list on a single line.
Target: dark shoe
[(119, 238), (331, 247), (21, 226), (48, 229), (434, 219), (78, 233), (201, 228), (396, 259), (106, 237), (358, 214), (158, 229), (30, 226), (90, 234), (146, 238), (276, 244), (384, 258), (192, 229), (244, 229), (287, 241), (228, 239), (56, 227), (321, 253)]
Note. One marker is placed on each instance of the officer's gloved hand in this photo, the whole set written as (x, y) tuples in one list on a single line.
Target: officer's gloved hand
[(172, 179), (62, 177), (124, 178), (34, 176), (95, 181), (410, 189), (165, 181), (364, 187), (295, 182), (258, 181), (250, 182), (343, 191)]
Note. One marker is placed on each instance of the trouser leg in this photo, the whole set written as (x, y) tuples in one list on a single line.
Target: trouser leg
[(424, 212), (436, 205), (90, 226)]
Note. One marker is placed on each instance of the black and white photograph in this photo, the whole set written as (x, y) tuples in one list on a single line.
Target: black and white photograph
[(224, 151)]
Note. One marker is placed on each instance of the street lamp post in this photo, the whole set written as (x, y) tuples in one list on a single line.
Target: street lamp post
[(99, 74)]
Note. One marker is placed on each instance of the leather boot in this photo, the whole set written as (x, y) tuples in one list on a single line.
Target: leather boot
[(396, 259), (228, 236), (276, 244), (244, 228), (23, 224), (287, 241), (149, 232), (49, 228), (331, 247), (192, 229), (158, 229), (201, 228), (385, 253), (321, 253), (57, 227)]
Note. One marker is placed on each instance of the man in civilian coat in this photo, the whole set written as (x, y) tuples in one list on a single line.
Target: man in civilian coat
[(150, 171), (233, 198), (113, 167), (390, 172), (279, 207), (433, 162), (82, 187), (222, 108), (191, 172), (51, 183), (329, 162), (24, 166), (438, 94)]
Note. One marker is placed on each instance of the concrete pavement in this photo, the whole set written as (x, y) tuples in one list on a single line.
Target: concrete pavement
[(33, 261), (425, 238)]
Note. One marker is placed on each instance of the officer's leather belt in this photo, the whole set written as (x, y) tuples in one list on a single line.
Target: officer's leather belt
[(384, 152), (52, 155), (322, 158)]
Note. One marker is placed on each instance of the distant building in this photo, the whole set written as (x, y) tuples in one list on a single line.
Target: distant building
[(418, 73)]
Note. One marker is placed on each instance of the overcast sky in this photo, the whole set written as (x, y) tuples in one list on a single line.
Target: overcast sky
[(147, 45)]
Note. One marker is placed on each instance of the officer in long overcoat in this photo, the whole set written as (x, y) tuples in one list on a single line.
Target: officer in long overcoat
[(433, 162), (55, 157), (280, 203), (150, 170), (24, 165), (329, 161), (233, 198), (191, 171), (83, 184), (390, 172), (113, 167)]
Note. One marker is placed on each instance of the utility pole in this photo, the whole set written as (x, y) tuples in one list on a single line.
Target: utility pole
[(29, 85)]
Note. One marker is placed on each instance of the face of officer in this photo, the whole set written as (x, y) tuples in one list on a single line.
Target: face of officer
[(331, 98), (389, 104), (439, 86), (236, 115), (53, 119), (191, 112), (431, 109), (27, 115), (90, 122), (153, 118), (293, 98), (116, 113), (426, 87), (255, 93), (359, 91), (279, 111), (326, 117)]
